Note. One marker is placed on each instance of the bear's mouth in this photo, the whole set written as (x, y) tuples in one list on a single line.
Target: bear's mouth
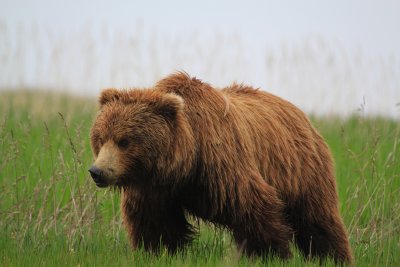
[(101, 185)]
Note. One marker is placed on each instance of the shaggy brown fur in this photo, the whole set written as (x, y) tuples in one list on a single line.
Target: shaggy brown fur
[(238, 157)]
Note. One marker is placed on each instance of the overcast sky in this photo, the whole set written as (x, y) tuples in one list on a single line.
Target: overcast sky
[(328, 57), (373, 26)]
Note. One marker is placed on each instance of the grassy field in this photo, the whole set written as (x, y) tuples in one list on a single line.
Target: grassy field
[(51, 213)]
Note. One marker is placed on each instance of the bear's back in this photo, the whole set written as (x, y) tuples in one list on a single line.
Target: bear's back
[(240, 125)]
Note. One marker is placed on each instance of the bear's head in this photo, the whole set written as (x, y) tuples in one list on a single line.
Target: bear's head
[(138, 135)]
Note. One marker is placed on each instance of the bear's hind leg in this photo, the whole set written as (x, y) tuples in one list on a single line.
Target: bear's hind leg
[(321, 233)]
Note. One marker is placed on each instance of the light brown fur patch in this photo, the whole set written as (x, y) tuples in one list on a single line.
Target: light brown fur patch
[(109, 160)]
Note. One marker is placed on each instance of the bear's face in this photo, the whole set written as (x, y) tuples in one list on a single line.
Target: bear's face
[(132, 135)]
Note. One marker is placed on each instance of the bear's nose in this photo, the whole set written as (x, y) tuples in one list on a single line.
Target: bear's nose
[(96, 174)]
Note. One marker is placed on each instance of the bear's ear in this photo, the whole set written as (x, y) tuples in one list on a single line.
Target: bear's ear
[(108, 95), (169, 106)]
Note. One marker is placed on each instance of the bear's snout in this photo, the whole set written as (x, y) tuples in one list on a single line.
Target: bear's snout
[(97, 175)]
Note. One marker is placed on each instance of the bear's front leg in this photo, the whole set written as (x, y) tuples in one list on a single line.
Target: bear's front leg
[(261, 226), (155, 223)]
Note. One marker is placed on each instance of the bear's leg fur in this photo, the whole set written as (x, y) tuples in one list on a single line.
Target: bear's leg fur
[(261, 227), (320, 232), (154, 223)]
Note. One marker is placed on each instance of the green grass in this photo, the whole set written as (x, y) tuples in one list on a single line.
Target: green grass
[(52, 214)]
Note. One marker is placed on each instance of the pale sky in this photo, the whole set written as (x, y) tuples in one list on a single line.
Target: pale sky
[(327, 57), (373, 26)]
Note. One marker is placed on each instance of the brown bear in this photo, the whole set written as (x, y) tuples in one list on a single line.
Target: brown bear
[(243, 159)]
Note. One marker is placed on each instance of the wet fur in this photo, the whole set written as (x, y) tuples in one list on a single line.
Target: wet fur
[(237, 157)]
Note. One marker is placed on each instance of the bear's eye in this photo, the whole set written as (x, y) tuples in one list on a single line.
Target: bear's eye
[(123, 143)]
